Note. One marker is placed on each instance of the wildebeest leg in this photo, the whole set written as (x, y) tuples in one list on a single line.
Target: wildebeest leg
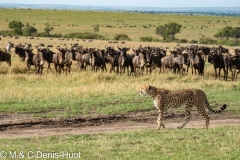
[(55, 66), (237, 75), (215, 70), (219, 71), (49, 67), (225, 73)]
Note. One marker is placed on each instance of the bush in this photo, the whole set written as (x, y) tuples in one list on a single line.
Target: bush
[(204, 40), (183, 41), (7, 32), (146, 39), (193, 41), (84, 35), (121, 37)]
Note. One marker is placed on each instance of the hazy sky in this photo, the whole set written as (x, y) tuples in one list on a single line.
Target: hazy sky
[(149, 3)]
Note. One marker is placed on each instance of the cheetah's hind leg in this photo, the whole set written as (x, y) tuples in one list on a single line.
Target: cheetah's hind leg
[(187, 117)]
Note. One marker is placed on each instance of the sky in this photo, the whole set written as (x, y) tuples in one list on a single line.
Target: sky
[(146, 3)]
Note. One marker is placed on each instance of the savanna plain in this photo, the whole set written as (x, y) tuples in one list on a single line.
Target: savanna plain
[(31, 104)]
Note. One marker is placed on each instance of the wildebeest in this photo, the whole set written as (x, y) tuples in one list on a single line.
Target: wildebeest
[(139, 61), (199, 63), (20, 51), (38, 61), (57, 59), (29, 58), (167, 61), (67, 60), (125, 60), (97, 61), (235, 65), (178, 63), (4, 56), (215, 57), (205, 50), (112, 57), (237, 52), (9, 47)]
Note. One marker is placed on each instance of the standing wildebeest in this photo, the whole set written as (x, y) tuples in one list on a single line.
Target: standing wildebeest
[(125, 60), (29, 58), (48, 57), (139, 61), (205, 50), (4, 56), (9, 47), (237, 52), (112, 57), (198, 63), (97, 61), (20, 51), (38, 61), (167, 61), (215, 57), (57, 59), (146, 51), (178, 63), (235, 65)]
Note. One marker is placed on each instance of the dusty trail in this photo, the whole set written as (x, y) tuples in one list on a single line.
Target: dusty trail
[(16, 126)]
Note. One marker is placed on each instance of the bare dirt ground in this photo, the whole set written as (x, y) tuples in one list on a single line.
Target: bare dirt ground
[(22, 125)]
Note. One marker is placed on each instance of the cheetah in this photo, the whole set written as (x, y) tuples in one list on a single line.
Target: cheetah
[(164, 99)]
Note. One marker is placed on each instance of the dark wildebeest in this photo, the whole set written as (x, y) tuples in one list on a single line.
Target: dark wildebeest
[(205, 50), (20, 51), (237, 52), (199, 63), (48, 57), (4, 56), (215, 57), (97, 61), (155, 58), (29, 58), (112, 57), (234, 66), (125, 60)]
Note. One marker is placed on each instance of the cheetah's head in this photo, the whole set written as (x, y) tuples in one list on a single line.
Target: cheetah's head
[(145, 90)]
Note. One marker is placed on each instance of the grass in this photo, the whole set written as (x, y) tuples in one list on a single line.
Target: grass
[(193, 26), (216, 143), (85, 92)]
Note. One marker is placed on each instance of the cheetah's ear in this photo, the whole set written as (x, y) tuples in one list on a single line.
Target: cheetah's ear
[(148, 87)]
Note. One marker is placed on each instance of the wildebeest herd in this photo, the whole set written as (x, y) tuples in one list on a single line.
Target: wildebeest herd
[(141, 60)]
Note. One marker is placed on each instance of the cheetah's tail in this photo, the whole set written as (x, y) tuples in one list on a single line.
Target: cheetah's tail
[(217, 111)]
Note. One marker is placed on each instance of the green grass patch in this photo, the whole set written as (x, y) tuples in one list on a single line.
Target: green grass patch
[(214, 143)]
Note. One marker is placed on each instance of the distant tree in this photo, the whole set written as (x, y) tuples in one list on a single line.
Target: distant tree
[(162, 30), (48, 28), (95, 29), (235, 34), (218, 35), (29, 30), (172, 29), (224, 33), (16, 26), (168, 31)]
